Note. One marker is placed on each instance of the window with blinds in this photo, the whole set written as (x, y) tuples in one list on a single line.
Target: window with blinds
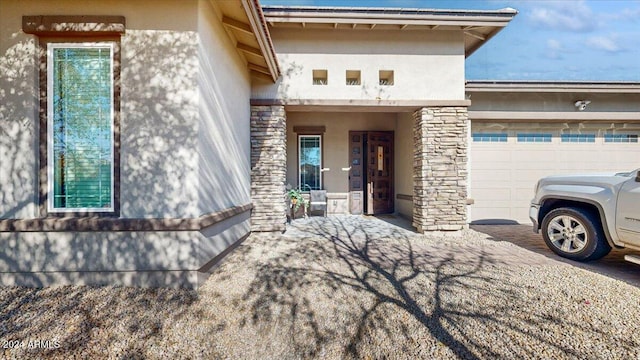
[(80, 127)]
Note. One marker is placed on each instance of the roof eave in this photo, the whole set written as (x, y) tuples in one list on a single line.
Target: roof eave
[(428, 19), (261, 31)]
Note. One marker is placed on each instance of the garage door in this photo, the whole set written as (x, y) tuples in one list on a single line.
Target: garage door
[(506, 161)]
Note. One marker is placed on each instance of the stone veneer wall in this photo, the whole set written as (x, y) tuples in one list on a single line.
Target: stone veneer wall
[(268, 167), (440, 168)]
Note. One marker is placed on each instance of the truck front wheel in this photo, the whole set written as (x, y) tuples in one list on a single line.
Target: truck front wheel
[(575, 234)]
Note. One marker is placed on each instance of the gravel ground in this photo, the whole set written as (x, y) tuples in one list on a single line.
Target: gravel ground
[(344, 288)]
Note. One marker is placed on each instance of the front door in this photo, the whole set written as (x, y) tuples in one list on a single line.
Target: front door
[(371, 172)]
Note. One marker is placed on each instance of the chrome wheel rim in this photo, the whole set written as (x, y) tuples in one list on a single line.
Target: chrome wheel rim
[(567, 234)]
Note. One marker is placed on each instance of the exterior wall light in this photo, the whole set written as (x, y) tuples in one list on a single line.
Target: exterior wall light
[(582, 104)]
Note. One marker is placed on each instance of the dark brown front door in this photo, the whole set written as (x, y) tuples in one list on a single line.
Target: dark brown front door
[(380, 173), (371, 175)]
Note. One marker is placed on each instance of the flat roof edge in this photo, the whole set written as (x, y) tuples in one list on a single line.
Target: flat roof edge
[(318, 10), (551, 86)]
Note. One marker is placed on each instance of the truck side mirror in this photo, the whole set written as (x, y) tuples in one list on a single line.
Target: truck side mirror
[(638, 176)]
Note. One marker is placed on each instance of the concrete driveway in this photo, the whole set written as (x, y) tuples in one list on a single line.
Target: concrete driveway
[(523, 237), (612, 265)]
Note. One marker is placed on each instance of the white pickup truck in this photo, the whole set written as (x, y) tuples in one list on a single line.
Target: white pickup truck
[(583, 217)]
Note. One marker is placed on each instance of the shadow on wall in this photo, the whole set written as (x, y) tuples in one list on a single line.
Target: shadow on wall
[(136, 258), (224, 137), (293, 71), (158, 125), (161, 134), (18, 130), (185, 149), (159, 130)]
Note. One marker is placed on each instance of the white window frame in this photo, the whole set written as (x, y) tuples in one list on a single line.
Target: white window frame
[(300, 137), (493, 137), (627, 138), (588, 138), (50, 116), (534, 137)]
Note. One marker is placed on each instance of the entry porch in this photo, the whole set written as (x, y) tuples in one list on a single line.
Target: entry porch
[(392, 160)]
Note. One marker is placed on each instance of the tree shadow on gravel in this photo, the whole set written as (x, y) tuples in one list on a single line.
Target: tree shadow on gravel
[(347, 280), (89, 322)]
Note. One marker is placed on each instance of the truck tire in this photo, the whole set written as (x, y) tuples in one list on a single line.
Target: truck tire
[(575, 233)]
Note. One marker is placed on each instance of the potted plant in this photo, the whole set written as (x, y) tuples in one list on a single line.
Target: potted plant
[(297, 201)]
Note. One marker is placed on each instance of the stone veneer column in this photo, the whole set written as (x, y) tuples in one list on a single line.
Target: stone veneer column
[(268, 167), (440, 168)]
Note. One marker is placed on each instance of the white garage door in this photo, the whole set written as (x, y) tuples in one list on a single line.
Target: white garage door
[(506, 161)]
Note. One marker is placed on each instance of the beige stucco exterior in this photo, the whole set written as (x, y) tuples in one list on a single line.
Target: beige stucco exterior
[(427, 65), (404, 164), (184, 151), (188, 72)]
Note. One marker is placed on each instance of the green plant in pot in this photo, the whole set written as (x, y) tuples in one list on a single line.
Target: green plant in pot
[(297, 200)]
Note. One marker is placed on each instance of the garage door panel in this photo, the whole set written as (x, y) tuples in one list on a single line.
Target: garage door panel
[(520, 212), (503, 175), (492, 194), (492, 151), (487, 185), (529, 175), (530, 154), (494, 165), (495, 175), (493, 213), (493, 159), (523, 194)]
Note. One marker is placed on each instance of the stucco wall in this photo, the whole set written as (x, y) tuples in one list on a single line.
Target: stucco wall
[(160, 112), (404, 163), (427, 65), (18, 115), (224, 131), (541, 102), (184, 109), (142, 258), (184, 152)]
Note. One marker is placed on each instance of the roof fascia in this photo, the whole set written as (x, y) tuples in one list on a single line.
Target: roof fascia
[(430, 18), (499, 19), (261, 32), (553, 86)]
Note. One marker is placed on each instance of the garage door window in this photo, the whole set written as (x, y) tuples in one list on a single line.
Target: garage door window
[(534, 137), (620, 138), (578, 138), (489, 137)]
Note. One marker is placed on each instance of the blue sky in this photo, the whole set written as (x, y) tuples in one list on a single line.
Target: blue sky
[(577, 40)]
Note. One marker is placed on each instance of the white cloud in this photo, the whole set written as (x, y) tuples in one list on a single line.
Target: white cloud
[(626, 14), (553, 44), (554, 49), (573, 16), (604, 43)]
